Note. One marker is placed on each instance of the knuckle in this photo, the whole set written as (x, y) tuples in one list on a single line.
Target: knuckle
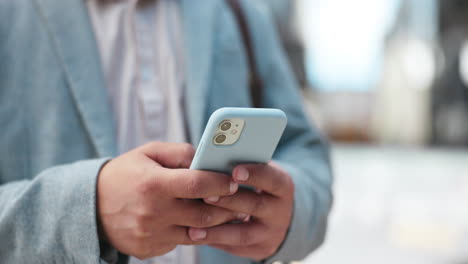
[(148, 170), (149, 145), (141, 230), (142, 227), (277, 186), (188, 149), (143, 212), (154, 144), (227, 201), (148, 186), (146, 178), (144, 188), (187, 153), (194, 185), (205, 219), (156, 185), (257, 206)]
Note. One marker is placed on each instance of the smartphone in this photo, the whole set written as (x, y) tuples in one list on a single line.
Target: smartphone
[(239, 135)]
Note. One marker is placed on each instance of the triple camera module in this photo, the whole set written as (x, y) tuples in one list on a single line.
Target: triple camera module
[(228, 132)]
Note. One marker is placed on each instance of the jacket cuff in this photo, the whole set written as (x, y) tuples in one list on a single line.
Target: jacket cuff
[(83, 227), (70, 192)]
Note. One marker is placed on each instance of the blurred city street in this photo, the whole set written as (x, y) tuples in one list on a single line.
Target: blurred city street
[(397, 205)]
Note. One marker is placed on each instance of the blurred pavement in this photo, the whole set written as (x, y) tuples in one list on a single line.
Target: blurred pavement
[(397, 205)]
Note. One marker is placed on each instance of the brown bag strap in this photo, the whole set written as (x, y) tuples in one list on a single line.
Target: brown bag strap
[(255, 82)]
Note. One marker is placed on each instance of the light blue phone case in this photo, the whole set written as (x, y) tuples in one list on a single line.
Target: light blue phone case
[(257, 142)]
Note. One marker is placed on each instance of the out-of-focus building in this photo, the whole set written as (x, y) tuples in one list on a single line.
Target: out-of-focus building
[(388, 71), (401, 107), (450, 93), (345, 48)]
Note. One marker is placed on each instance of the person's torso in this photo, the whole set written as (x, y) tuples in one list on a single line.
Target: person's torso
[(54, 107)]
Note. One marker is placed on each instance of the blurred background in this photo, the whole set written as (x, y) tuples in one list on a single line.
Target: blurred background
[(387, 81)]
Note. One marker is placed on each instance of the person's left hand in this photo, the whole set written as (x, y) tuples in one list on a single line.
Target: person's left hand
[(268, 213)]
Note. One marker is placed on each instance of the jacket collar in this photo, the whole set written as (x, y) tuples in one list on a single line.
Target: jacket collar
[(71, 31)]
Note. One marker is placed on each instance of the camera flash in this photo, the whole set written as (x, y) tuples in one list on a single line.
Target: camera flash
[(234, 131)]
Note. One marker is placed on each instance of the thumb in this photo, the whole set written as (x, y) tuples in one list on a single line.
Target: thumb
[(169, 155)]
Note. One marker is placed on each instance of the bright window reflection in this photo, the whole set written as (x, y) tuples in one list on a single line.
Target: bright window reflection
[(345, 41)]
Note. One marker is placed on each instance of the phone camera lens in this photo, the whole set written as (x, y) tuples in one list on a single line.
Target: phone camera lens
[(225, 126), (219, 139)]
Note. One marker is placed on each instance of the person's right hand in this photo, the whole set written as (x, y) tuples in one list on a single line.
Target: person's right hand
[(140, 210)]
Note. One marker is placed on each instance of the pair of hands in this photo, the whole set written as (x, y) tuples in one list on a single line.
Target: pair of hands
[(149, 202)]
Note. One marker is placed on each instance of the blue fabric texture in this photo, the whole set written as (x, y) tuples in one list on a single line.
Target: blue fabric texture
[(57, 129)]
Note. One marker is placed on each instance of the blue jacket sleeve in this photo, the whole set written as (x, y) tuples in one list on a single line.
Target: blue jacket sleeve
[(51, 218)]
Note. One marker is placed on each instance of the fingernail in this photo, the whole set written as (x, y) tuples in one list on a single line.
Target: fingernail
[(197, 234), (242, 216), (242, 174), (212, 199), (233, 186)]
